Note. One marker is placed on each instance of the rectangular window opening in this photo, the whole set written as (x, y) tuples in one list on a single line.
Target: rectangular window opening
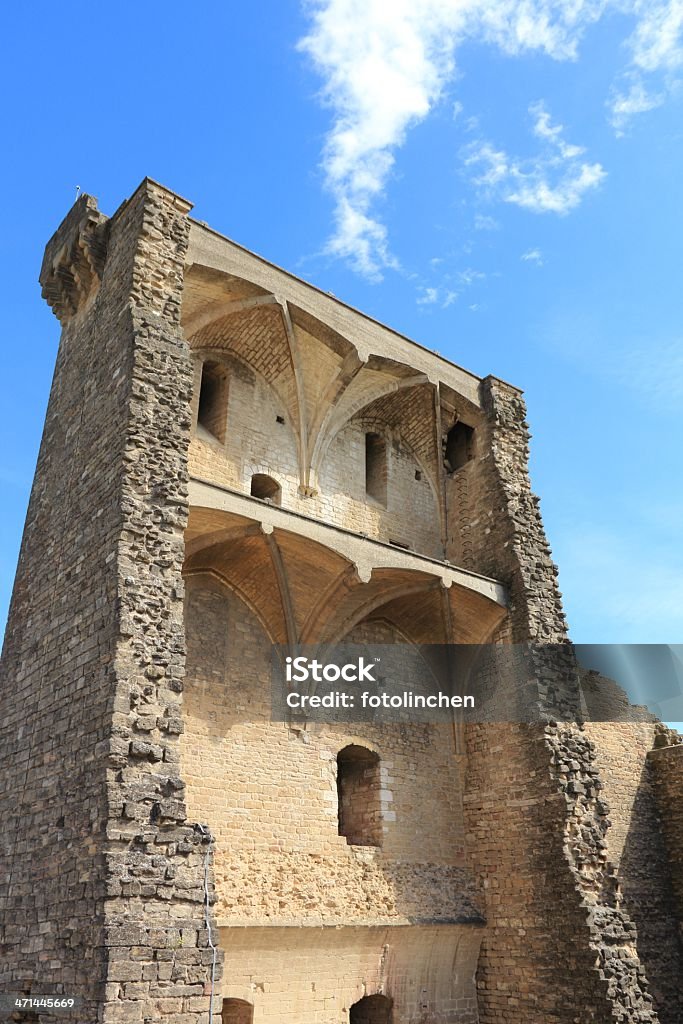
[(213, 400), (458, 447), (376, 467)]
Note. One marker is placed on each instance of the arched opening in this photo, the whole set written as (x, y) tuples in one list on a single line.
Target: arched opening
[(213, 400), (358, 795), (459, 446), (371, 1010), (265, 488), (237, 1011)]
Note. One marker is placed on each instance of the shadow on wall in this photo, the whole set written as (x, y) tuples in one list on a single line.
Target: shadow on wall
[(645, 879)]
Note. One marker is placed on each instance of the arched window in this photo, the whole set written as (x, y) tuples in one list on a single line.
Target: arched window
[(213, 400), (237, 1011), (371, 1010), (358, 794), (459, 446), (266, 488)]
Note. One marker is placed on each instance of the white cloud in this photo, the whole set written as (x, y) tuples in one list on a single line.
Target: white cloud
[(433, 296), (469, 276), (429, 297), (657, 42), (484, 223), (636, 101), (385, 65), (554, 181), (656, 50), (535, 193), (533, 256)]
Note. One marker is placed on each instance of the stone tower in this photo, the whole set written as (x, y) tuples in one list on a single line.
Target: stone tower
[(231, 459)]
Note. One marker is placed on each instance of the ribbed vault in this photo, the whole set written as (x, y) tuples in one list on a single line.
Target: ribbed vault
[(303, 591), (322, 378)]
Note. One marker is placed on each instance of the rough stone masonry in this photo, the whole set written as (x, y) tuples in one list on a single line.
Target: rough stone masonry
[(232, 458)]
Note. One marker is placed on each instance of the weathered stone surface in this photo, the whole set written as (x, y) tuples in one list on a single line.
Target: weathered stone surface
[(232, 458)]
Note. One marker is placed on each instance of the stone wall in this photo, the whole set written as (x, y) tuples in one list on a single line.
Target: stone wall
[(636, 849), (310, 975), (106, 886), (256, 442), (269, 792), (494, 522), (666, 764), (104, 878), (557, 946), (58, 669)]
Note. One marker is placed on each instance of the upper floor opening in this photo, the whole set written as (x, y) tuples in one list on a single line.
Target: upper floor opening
[(212, 408), (458, 447)]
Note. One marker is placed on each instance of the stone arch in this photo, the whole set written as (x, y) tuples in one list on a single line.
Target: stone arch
[(266, 488), (230, 588), (237, 1011), (374, 1009)]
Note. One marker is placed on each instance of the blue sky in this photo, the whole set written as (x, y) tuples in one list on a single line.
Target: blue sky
[(499, 180)]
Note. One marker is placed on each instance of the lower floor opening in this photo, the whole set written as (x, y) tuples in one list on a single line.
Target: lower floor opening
[(237, 1011), (371, 1010)]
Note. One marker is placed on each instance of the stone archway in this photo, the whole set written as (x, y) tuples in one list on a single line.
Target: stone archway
[(375, 1009)]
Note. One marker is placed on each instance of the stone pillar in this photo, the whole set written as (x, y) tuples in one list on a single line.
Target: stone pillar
[(102, 876)]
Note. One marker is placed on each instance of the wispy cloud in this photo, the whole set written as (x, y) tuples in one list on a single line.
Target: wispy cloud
[(656, 55), (441, 296), (385, 65), (428, 297), (636, 100), (482, 222), (533, 256), (553, 181), (469, 276)]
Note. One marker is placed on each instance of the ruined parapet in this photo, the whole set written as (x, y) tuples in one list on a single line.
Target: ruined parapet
[(74, 259), (494, 519), (558, 946), (105, 886)]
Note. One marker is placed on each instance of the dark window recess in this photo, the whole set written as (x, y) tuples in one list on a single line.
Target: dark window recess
[(213, 400), (279, 419), (376, 467), (266, 488), (371, 1010), (459, 446), (358, 787), (237, 1011), (418, 474)]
